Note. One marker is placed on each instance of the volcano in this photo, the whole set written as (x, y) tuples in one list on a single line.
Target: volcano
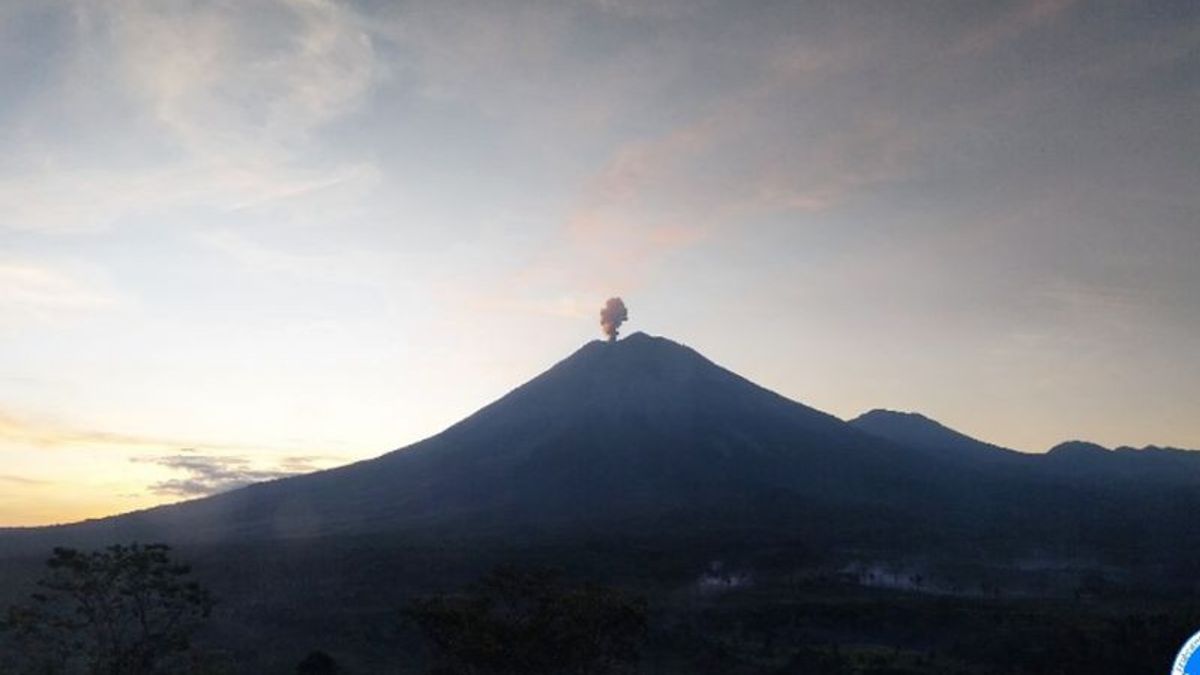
[(638, 430), (646, 435)]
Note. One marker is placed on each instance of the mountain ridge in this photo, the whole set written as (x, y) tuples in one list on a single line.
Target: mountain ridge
[(645, 434), (913, 428)]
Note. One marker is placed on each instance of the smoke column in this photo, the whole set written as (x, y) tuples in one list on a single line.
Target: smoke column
[(612, 316)]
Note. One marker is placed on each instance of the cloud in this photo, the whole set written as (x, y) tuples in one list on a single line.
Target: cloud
[(150, 105), (547, 70), (21, 480), (211, 474), (732, 162), (38, 292), (23, 429), (1014, 21), (457, 51), (241, 83), (345, 266)]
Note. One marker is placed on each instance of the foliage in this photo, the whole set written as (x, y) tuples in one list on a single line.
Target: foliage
[(123, 610), (515, 622), (317, 663)]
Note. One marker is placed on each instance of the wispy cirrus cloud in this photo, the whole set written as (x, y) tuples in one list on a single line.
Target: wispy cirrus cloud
[(39, 292), (32, 431), (1011, 23), (210, 474), (147, 106), (732, 160), (22, 480), (347, 266)]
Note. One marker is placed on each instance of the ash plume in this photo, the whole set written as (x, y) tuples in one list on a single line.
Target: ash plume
[(612, 316)]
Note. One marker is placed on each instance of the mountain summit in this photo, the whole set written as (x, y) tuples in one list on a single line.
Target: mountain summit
[(638, 429)]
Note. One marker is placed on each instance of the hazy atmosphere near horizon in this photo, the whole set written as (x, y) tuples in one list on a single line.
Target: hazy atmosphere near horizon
[(240, 240)]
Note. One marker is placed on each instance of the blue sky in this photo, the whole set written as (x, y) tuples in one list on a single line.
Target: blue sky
[(245, 238)]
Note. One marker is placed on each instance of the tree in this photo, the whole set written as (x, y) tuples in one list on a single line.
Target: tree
[(317, 663), (527, 623), (123, 610)]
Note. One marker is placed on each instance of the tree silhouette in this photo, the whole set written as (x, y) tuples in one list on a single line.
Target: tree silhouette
[(515, 622), (123, 610), (317, 663)]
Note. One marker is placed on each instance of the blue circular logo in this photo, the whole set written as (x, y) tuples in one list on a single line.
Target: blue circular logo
[(1188, 661)]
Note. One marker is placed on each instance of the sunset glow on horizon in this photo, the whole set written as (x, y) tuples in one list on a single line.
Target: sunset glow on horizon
[(244, 240)]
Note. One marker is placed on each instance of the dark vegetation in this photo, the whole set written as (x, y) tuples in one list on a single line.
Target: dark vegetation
[(517, 622), (317, 663), (124, 610), (630, 606)]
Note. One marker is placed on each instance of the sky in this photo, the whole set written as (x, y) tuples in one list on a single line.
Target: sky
[(242, 239)]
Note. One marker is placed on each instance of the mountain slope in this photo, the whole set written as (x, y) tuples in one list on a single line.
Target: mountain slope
[(639, 429)]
